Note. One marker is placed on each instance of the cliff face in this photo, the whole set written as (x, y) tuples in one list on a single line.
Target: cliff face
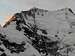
[(42, 29)]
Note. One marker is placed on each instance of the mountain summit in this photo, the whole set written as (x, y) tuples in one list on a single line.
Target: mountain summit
[(36, 11)]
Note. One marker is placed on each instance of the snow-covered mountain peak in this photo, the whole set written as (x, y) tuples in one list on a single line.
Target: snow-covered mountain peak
[(40, 28)]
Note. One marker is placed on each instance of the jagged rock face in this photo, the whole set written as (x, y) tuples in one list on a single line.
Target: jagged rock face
[(40, 28)]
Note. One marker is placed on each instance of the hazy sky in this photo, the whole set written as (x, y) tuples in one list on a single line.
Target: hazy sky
[(9, 7)]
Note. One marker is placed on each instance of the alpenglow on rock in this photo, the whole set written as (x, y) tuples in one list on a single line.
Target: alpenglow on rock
[(44, 32)]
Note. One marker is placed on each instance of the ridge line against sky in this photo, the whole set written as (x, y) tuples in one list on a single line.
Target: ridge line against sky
[(9, 7)]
